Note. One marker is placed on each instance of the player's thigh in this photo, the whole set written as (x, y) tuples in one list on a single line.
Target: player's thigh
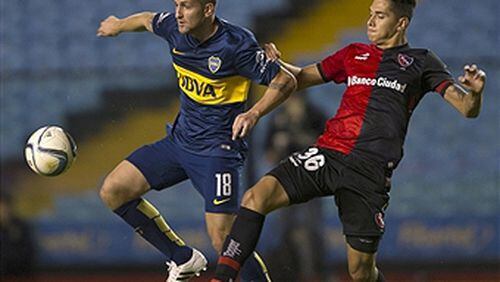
[(217, 179), (361, 204), (297, 179), (218, 227), (265, 196), (159, 163), (124, 183), (127, 177)]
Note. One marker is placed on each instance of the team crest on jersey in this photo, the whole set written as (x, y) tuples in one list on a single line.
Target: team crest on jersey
[(214, 64), (379, 220), (405, 61)]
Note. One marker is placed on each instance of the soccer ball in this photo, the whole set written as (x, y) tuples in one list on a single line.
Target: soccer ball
[(50, 151)]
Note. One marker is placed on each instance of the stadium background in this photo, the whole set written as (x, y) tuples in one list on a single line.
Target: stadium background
[(116, 94)]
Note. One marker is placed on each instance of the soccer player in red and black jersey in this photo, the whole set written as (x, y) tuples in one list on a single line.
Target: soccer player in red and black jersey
[(354, 158)]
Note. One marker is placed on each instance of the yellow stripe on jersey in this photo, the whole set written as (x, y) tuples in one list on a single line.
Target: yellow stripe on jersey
[(209, 91), (152, 213)]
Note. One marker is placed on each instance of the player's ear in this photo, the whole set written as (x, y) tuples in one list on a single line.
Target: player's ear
[(403, 23), (209, 9)]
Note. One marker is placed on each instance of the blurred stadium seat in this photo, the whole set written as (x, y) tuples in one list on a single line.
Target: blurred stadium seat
[(53, 66), (42, 40)]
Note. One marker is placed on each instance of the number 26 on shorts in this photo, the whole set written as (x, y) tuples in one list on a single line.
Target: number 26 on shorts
[(310, 159)]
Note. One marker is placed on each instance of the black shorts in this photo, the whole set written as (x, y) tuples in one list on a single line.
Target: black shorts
[(361, 189)]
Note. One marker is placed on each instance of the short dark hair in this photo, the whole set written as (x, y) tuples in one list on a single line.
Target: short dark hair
[(204, 2), (404, 8)]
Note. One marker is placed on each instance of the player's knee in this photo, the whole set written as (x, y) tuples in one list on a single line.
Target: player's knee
[(362, 272), (107, 193), (217, 236), (218, 227), (218, 242), (361, 276), (266, 196), (114, 193), (254, 201)]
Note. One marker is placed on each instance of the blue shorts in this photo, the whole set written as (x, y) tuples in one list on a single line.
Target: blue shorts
[(217, 179)]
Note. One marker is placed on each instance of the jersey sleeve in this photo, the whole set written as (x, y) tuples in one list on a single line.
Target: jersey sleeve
[(435, 76), (252, 62), (163, 24), (333, 66)]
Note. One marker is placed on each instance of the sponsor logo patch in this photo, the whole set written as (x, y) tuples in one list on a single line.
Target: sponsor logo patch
[(262, 60), (362, 57), (220, 202), (177, 52), (380, 82), (233, 250)]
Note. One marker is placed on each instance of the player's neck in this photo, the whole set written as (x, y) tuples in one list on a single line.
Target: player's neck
[(393, 42), (205, 31)]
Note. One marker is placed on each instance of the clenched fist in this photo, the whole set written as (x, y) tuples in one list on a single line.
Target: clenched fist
[(109, 27)]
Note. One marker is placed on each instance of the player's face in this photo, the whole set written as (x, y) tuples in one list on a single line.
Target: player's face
[(189, 14), (383, 23)]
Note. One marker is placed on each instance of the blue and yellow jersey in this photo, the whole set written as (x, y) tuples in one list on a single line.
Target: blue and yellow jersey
[(214, 79)]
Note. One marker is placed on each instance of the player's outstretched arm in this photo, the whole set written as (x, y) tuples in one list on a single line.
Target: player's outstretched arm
[(467, 96), (113, 26), (280, 88), (306, 77)]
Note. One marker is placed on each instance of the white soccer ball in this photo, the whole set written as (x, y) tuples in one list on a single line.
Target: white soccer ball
[(50, 151)]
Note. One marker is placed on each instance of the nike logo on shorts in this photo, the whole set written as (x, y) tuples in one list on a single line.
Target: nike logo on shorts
[(218, 202)]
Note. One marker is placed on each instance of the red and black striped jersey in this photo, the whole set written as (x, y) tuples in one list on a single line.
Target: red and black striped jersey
[(383, 88)]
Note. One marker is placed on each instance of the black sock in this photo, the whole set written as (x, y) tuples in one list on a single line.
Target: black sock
[(239, 244), (147, 222), (254, 269)]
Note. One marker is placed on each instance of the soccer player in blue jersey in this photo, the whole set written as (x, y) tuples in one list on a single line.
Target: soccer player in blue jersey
[(361, 145), (215, 63)]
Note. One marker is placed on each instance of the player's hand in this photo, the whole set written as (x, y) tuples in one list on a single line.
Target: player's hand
[(244, 123), (473, 79), (272, 52), (109, 27)]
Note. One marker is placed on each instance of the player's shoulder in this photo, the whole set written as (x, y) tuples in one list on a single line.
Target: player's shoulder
[(423, 53), (164, 23), (236, 34), (421, 50), (357, 47), (162, 17)]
